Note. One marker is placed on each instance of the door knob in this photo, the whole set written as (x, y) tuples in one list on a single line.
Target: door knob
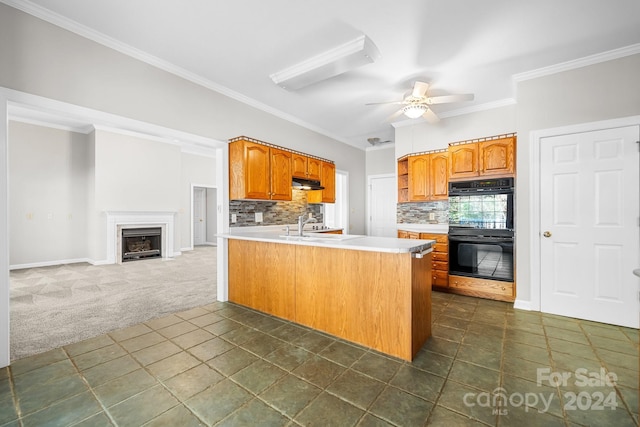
[(547, 234)]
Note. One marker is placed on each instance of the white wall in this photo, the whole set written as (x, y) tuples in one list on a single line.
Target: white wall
[(48, 195)]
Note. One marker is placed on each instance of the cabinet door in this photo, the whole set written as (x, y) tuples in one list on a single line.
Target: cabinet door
[(280, 174), (419, 178), (299, 165), (313, 168), (463, 161), (438, 176), (256, 171), (328, 181), (497, 157)]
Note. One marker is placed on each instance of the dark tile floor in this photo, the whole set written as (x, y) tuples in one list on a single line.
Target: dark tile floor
[(486, 364)]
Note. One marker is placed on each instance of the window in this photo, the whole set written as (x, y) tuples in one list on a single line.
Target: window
[(336, 215)]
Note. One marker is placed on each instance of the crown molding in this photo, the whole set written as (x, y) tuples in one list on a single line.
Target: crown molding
[(578, 63), (88, 33)]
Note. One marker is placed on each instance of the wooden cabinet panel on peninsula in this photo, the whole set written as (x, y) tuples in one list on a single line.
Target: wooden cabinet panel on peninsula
[(490, 157), (257, 171), (305, 167), (328, 181)]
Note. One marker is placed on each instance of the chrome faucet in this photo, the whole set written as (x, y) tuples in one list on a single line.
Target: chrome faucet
[(302, 223)]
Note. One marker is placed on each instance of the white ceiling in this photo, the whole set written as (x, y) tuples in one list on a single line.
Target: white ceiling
[(460, 46)]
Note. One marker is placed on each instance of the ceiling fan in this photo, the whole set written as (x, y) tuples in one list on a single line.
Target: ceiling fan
[(417, 103)]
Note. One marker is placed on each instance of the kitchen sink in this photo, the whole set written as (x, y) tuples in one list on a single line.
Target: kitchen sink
[(321, 237)]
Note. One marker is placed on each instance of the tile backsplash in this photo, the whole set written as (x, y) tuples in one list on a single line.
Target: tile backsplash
[(418, 213), (273, 213)]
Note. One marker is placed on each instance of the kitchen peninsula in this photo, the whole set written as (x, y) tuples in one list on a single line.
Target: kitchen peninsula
[(373, 291)]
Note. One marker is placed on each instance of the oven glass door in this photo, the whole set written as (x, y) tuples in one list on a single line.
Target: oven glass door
[(474, 257), (481, 211)]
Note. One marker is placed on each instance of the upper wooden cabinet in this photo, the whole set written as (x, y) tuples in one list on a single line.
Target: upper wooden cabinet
[(463, 161), (419, 178), (427, 177), (258, 171), (439, 175), (328, 181), (305, 167), (494, 157), (497, 157)]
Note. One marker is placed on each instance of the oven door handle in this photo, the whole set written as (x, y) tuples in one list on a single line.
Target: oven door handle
[(478, 239)]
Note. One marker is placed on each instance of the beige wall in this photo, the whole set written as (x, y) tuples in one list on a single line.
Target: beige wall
[(381, 161), (598, 92), (48, 170), (62, 183), (592, 93), (42, 59)]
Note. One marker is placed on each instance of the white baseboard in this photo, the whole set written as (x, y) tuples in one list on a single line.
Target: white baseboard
[(49, 263), (522, 305)]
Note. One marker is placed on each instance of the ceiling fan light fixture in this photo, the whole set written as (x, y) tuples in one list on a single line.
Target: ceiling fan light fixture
[(413, 111)]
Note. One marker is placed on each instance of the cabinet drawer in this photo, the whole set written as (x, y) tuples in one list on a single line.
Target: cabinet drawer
[(440, 266), (440, 257), (440, 278), (439, 238), (441, 247), (483, 287)]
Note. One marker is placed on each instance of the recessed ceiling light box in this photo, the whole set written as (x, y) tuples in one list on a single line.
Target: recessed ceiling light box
[(338, 60)]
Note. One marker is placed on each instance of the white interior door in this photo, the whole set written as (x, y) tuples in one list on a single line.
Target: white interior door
[(382, 206), (199, 216), (589, 224)]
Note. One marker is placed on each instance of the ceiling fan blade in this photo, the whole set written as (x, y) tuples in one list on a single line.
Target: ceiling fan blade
[(430, 116), (449, 98), (394, 115), (419, 89), (387, 102)]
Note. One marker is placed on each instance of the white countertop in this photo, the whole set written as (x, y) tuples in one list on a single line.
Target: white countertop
[(425, 228), (338, 241)]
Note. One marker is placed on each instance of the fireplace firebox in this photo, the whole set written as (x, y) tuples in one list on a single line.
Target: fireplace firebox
[(141, 243)]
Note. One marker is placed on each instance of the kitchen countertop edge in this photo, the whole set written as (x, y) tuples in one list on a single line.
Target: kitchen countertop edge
[(362, 243)]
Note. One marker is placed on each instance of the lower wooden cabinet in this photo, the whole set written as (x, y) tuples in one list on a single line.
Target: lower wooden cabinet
[(440, 259), (484, 288)]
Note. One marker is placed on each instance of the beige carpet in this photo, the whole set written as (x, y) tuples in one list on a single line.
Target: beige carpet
[(55, 306)]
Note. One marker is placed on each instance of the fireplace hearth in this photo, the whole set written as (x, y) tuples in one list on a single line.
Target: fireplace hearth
[(141, 243)]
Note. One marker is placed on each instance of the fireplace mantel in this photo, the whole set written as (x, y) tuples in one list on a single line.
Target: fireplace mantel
[(116, 221)]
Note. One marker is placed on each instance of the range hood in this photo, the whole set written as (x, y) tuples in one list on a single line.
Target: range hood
[(306, 184)]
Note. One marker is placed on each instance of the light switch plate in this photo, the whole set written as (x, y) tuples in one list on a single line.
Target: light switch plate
[(234, 218), (258, 216)]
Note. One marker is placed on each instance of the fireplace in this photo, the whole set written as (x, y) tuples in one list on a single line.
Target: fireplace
[(141, 243), (117, 222)]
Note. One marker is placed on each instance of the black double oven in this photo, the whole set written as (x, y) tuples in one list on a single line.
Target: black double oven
[(481, 233)]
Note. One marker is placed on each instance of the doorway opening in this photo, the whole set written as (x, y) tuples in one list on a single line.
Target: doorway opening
[(204, 215)]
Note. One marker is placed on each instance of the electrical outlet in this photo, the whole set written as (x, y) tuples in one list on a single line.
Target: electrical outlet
[(432, 216), (310, 215), (234, 218), (258, 216)]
